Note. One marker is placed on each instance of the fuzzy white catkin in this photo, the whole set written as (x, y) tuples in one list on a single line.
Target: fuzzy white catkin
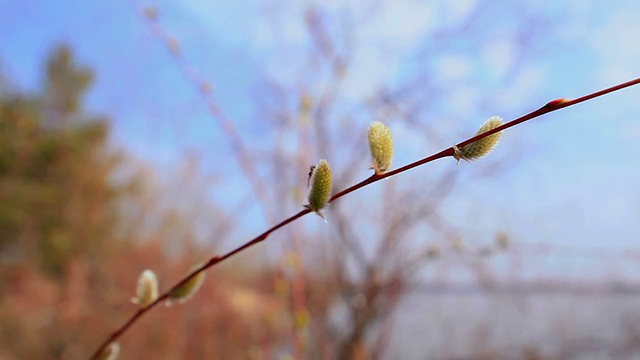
[(482, 147), (111, 352), (147, 289)]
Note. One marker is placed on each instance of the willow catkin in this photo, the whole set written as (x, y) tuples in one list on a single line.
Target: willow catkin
[(111, 352), (381, 146), (320, 191), (185, 291), (482, 147), (147, 289)]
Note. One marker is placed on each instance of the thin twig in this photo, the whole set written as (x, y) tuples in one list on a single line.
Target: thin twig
[(225, 124), (551, 106)]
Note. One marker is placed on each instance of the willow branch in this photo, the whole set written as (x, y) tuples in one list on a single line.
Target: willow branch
[(549, 107)]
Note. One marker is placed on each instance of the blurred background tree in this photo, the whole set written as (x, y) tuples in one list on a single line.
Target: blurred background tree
[(79, 220), (57, 204), (57, 197)]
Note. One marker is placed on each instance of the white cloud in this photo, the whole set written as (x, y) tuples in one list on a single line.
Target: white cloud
[(277, 32), (399, 22), (383, 40), (367, 72), (499, 55), (529, 79), (453, 68), (459, 9)]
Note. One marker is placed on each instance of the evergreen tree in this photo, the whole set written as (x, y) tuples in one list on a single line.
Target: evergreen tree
[(56, 195)]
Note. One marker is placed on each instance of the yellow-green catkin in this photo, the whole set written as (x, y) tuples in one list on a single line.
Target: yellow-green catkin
[(381, 145), (502, 240), (320, 187), (432, 251), (111, 352), (147, 289), (185, 291), (482, 147)]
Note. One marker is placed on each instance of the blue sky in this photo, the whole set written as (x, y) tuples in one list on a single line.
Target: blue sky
[(573, 175)]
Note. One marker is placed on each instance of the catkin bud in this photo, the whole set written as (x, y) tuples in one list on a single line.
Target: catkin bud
[(320, 187), (482, 147), (147, 291), (458, 245), (381, 145), (301, 319), (502, 240), (432, 251), (111, 352), (185, 291), (150, 13)]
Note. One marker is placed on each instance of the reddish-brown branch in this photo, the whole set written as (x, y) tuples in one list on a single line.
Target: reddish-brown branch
[(545, 109), (214, 260)]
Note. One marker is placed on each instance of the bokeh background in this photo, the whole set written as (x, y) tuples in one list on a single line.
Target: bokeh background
[(156, 134)]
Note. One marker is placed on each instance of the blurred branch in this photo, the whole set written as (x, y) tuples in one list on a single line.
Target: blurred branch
[(204, 88)]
